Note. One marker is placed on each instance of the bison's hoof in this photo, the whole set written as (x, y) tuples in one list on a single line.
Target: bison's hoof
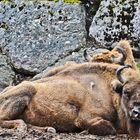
[(51, 130)]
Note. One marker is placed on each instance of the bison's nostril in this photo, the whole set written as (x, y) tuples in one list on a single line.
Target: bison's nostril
[(135, 113)]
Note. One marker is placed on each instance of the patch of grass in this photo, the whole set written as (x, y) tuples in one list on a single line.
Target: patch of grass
[(72, 1), (5, 1), (51, 12), (138, 65), (56, 0)]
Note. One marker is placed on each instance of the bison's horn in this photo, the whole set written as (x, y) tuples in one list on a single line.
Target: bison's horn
[(123, 57), (87, 56), (118, 73)]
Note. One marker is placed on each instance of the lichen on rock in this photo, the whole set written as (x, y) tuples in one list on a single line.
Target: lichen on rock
[(40, 33), (6, 74), (116, 20)]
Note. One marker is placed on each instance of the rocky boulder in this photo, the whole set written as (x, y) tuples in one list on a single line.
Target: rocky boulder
[(116, 20), (36, 34), (7, 76)]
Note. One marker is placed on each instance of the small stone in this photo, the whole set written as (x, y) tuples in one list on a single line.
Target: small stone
[(51, 130), (114, 21)]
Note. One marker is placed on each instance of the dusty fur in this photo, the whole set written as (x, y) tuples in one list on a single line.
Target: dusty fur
[(65, 101), (110, 56), (58, 69), (73, 98)]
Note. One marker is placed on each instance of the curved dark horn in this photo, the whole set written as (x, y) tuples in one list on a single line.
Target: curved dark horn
[(87, 56), (119, 70), (122, 58)]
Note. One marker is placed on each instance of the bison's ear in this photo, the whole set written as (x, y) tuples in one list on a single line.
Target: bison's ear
[(117, 86)]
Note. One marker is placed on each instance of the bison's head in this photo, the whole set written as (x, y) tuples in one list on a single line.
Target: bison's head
[(118, 56), (128, 86)]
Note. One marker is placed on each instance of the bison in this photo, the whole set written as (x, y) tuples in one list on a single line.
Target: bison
[(121, 54), (76, 98)]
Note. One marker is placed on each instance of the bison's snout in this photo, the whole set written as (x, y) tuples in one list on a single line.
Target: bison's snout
[(135, 114)]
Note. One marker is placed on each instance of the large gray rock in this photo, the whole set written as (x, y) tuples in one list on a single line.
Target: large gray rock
[(77, 57), (117, 20), (36, 34), (6, 74)]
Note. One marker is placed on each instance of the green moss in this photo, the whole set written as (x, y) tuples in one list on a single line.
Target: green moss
[(72, 1), (5, 1), (51, 12), (56, 0), (138, 65), (4, 25)]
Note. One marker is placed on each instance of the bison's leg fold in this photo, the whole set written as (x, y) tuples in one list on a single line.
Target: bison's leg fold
[(45, 129), (19, 125), (14, 101), (99, 126)]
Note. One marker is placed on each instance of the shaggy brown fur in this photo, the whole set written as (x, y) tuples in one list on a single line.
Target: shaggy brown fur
[(76, 98), (58, 69), (112, 56)]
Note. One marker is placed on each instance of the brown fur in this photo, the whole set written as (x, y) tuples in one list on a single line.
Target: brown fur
[(76, 98), (110, 56), (58, 69)]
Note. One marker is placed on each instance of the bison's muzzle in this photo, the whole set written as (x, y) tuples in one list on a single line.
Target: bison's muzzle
[(135, 113)]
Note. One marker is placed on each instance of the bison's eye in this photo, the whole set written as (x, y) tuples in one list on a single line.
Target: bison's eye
[(126, 94)]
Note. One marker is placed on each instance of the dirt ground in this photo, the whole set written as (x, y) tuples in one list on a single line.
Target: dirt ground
[(31, 134)]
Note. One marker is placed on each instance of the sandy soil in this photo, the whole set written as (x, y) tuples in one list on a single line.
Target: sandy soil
[(31, 134)]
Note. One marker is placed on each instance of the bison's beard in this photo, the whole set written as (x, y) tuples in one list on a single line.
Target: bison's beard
[(132, 120), (129, 113), (133, 123), (133, 127)]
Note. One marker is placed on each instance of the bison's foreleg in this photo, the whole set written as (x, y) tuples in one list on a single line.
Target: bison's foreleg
[(99, 126), (14, 101), (21, 127), (16, 124)]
